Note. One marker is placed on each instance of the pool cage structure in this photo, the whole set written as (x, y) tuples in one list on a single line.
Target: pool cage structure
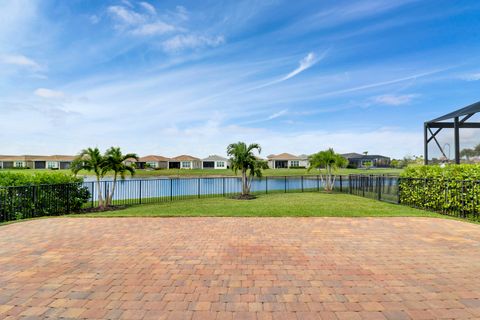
[(455, 120)]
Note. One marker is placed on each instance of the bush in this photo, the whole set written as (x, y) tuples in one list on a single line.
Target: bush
[(453, 189), (22, 179), (40, 194)]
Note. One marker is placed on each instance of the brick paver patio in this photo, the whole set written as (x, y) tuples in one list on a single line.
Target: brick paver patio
[(240, 268)]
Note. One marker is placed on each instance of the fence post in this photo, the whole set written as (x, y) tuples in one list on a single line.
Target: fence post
[(140, 192), (171, 189), (341, 189), (318, 183), (302, 183), (363, 186), (93, 192), (285, 184), (223, 186), (266, 185), (399, 187), (68, 198), (379, 186), (34, 192)]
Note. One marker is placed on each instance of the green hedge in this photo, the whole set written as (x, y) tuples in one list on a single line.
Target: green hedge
[(453, 189), (40, 194)]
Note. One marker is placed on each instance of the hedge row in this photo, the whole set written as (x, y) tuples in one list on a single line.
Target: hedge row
[(452, 189), (40, 194)]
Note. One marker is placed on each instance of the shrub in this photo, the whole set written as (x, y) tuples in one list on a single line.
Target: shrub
[(450, 189), (40, 194)]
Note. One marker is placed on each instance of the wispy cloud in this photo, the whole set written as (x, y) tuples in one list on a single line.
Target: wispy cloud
[(380, 84), (49, 93), (305, 63), (147, 6), (19, 60), (146, 23), (471, 77), (278, 114), (393, 99), (181, 42)]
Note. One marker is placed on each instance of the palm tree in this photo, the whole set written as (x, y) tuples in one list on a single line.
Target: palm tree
[(242, 158), (329, 160), (91, 159), (116, 161)]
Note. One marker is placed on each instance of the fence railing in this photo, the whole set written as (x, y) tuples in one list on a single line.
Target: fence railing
[(379, 187), (41, 200), (456, 198), (459, 198)]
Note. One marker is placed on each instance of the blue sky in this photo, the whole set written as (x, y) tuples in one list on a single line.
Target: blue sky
[(174, 77)]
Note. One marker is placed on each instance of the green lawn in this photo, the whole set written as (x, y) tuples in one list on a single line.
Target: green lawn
[(272, 205), (227, 172)]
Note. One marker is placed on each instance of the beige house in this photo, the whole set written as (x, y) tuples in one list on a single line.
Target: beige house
[(36, 162), (287, 160), (152, 161), (184, 162)]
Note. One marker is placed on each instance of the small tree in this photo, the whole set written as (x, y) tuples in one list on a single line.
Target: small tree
[(368, 164), (468, 153), (116, 161), (242, 158), (91, 159), (329, 160)]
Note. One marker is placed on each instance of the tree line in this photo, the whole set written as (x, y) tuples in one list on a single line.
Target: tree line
[(244, 158)]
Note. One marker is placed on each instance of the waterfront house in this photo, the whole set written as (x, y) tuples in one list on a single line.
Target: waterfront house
[(357, 160), (152, 161), (215, 162), (36, 162), (185, 162), (287, 160)]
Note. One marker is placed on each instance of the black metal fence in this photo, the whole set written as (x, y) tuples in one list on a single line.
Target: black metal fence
[(36, 201), (22, 202), (457, 198), (379, 187)]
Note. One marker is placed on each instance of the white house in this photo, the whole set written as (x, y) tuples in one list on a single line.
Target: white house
[(287, 160), (184, 162), (215, 162)]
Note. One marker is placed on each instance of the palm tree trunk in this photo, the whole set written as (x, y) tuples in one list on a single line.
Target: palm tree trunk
[(110, 197), (100, 197), (244, 182), (329, 178)]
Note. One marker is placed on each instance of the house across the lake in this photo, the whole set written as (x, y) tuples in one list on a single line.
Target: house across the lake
[(152, 161), (36, 162), (215, 162), (185, 162), (357, 160), (287, 160)]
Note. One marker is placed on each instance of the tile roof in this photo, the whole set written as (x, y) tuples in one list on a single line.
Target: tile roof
[(184, 157), (214, 157), (283, 156), (153, 158)]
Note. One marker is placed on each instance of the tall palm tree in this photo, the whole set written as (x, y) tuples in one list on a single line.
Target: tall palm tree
[(329, 160), (116, 161), (242, 158), (91, 159)]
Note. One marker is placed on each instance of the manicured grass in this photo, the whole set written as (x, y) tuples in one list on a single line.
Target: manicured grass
[(228, 172), (272, 205)]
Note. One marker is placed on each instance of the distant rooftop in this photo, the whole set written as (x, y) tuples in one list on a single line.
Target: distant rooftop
[(283, 156), (214, 157)]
